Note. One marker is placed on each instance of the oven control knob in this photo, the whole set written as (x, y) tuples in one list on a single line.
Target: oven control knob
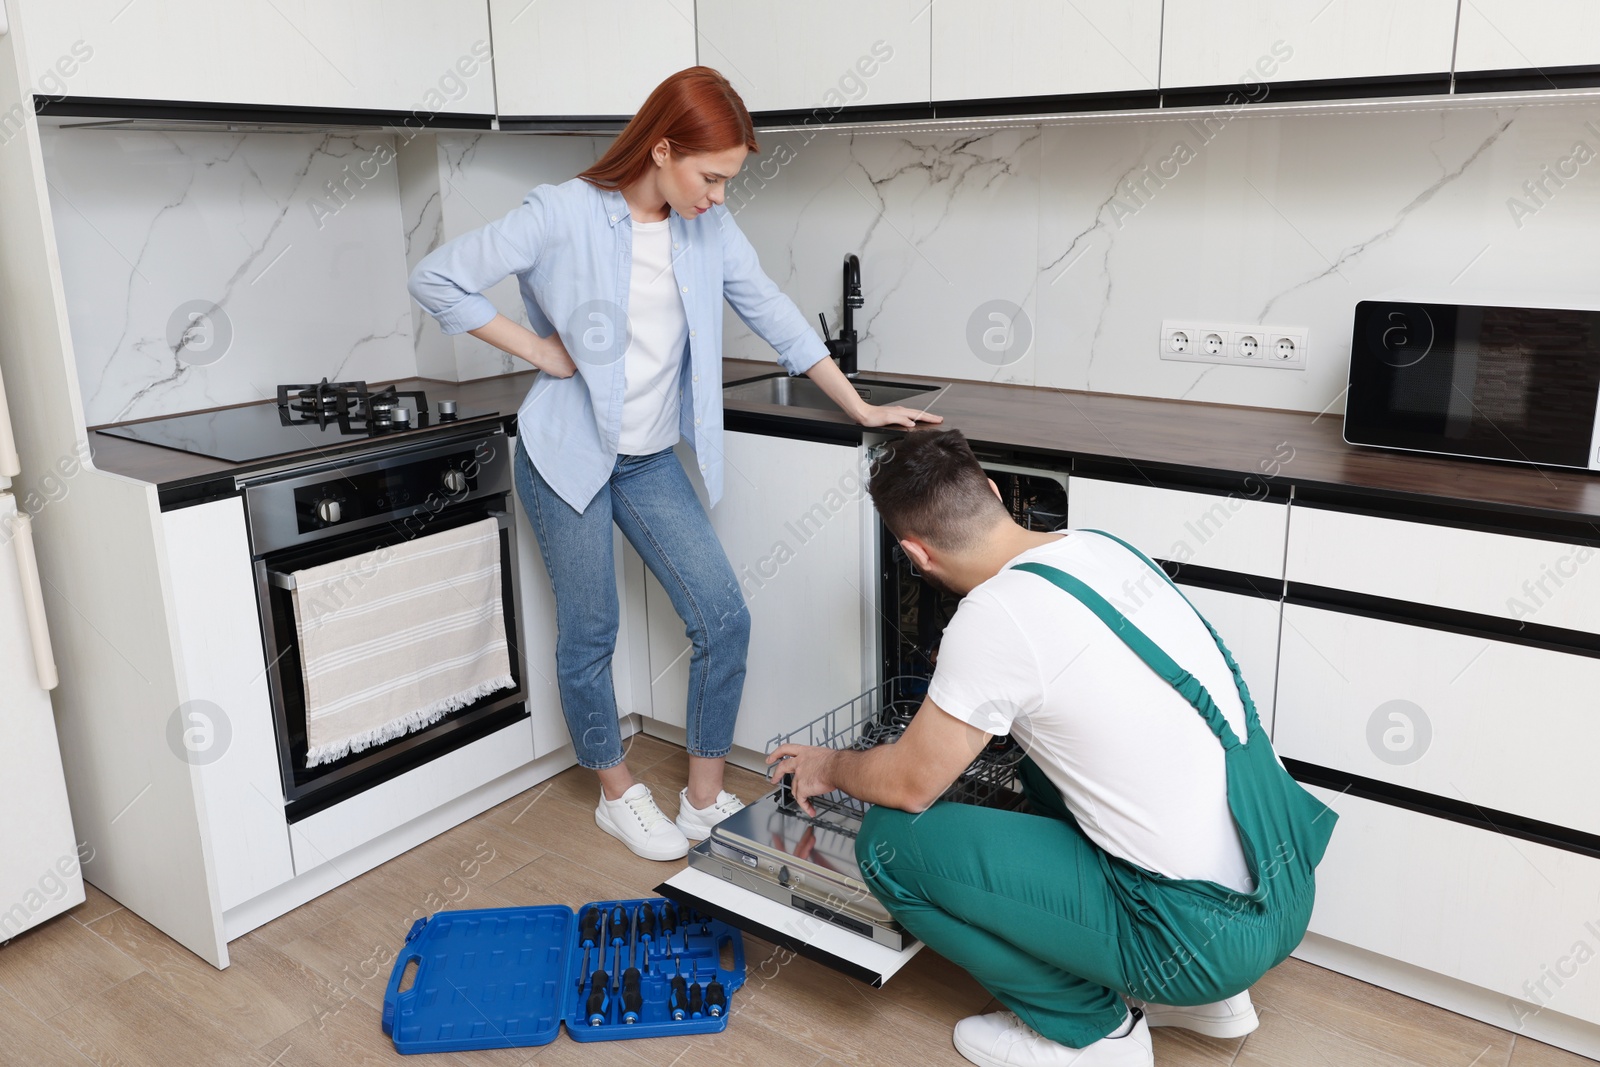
[(328, 510), (455, 481)]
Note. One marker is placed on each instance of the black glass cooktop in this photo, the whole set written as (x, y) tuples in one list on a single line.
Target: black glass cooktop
[(305, 418)]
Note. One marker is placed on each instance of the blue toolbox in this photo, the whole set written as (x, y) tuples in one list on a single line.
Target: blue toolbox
[(612, 970)]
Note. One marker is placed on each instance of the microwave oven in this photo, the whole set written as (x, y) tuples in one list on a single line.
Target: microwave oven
[(1507, 383)]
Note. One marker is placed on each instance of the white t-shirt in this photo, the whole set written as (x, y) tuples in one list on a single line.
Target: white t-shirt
[(658, 331), (1136, 764)]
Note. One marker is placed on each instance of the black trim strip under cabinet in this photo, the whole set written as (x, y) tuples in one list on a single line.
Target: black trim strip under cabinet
[(1527, 79), (1455, 810), (1264, 92), (117, 109)]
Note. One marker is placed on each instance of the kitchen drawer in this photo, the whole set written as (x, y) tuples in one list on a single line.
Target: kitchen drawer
[(1248, 625), (1506, 726), (1514, 917), (1230, 533), (1521, 578)]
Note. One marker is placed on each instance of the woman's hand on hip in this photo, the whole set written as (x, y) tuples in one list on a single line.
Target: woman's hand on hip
[(550, 356), (896, 415)]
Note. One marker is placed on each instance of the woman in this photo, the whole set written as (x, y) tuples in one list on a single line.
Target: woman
[(623, 270)]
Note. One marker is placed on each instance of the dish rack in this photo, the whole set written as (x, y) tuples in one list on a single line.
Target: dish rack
[(878, 717)]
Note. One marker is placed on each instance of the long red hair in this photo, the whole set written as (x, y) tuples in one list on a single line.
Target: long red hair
[(696, 110)]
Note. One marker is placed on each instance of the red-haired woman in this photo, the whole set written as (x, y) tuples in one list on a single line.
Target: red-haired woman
[(623, 271)]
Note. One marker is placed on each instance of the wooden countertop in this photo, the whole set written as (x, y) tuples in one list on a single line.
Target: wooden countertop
[(1159, 438)]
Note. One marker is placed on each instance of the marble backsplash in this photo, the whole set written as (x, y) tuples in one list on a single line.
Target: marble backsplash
[(1081, 237), (202, 269)]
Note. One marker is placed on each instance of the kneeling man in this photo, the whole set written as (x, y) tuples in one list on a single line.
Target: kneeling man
[(1167, 859)]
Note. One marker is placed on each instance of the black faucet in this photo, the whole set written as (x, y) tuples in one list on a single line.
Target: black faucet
[(843, 348)]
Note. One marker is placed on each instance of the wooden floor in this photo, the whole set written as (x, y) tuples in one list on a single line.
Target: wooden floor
[(101, 986)]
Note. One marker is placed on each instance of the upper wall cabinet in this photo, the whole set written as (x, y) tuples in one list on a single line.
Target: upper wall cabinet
[(587, 57), (1528, 34), (985, 49), (820, 54), (1205, 43), (422, 56)]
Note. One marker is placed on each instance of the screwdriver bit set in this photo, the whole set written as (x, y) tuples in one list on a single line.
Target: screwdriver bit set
[(612, 970)]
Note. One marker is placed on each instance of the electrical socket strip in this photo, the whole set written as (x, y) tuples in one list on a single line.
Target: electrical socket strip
[(1283, 347)]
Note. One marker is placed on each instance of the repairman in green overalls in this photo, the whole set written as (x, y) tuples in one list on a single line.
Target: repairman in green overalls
[(1165, 861)]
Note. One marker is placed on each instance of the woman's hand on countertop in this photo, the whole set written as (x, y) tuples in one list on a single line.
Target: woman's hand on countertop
[(895, 415)]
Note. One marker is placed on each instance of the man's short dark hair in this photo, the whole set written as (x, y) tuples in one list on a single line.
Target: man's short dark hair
[(928, 485)]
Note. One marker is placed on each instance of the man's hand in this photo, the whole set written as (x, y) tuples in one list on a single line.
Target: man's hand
[(895, 415), (812, 770)]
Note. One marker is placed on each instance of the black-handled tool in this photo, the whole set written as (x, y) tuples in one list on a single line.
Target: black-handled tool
[(595, 1007), (716, 998), (678, 1002), (696, 1002), (645, 924), (632, 998), (669, 922), (588, 937), (619, 925)]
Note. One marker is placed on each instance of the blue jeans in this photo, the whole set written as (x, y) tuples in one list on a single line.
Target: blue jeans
[(651, 500)]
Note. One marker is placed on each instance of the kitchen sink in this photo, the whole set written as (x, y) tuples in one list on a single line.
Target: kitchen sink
[(790, 392)]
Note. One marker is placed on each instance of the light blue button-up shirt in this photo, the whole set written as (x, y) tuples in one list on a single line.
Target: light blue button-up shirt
[(571, 248)]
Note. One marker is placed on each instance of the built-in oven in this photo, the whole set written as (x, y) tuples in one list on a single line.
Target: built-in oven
[(915, 613), (312, 515)]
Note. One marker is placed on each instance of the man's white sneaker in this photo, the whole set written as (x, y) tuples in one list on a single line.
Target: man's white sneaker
[(1234, 1017), (1000, 1039), (634, 819), (696, 823)]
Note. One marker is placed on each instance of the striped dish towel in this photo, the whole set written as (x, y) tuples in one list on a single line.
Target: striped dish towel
[(398, 638)]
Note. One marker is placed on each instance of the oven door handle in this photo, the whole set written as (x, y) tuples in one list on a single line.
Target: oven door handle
[(281, 580)]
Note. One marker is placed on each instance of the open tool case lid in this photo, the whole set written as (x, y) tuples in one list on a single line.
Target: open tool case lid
[(508, 978)]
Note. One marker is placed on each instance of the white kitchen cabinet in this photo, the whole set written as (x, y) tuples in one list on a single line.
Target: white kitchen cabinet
[(1527, 34), (586, 57), (1234, 532), (423, 56), (1467, 718), (224, 728), (1514, 917), (1010, 48), (792, 521), (825, 54), (39, 857), (1243, 41), (1525, 579)]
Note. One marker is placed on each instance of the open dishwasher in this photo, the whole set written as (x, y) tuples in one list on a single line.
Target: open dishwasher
[(793, 879)]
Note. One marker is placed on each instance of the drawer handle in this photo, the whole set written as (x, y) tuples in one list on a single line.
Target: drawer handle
[(44, 660)]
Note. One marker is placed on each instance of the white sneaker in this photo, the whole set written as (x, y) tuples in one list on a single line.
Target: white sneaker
[(696, 823), (1234, 1017), (634, 819), (1000, 1039)]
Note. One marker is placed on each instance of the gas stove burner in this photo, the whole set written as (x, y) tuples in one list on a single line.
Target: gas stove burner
[(321, 403)]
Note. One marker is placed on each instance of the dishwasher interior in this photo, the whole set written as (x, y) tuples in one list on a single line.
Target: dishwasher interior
[(808, 862)]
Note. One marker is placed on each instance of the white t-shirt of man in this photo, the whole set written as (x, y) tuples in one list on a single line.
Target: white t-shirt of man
[(658, 330), (1135, 763)]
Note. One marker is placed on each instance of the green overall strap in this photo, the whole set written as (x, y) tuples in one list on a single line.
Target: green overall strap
[(1187, 685), (1252, 720)]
